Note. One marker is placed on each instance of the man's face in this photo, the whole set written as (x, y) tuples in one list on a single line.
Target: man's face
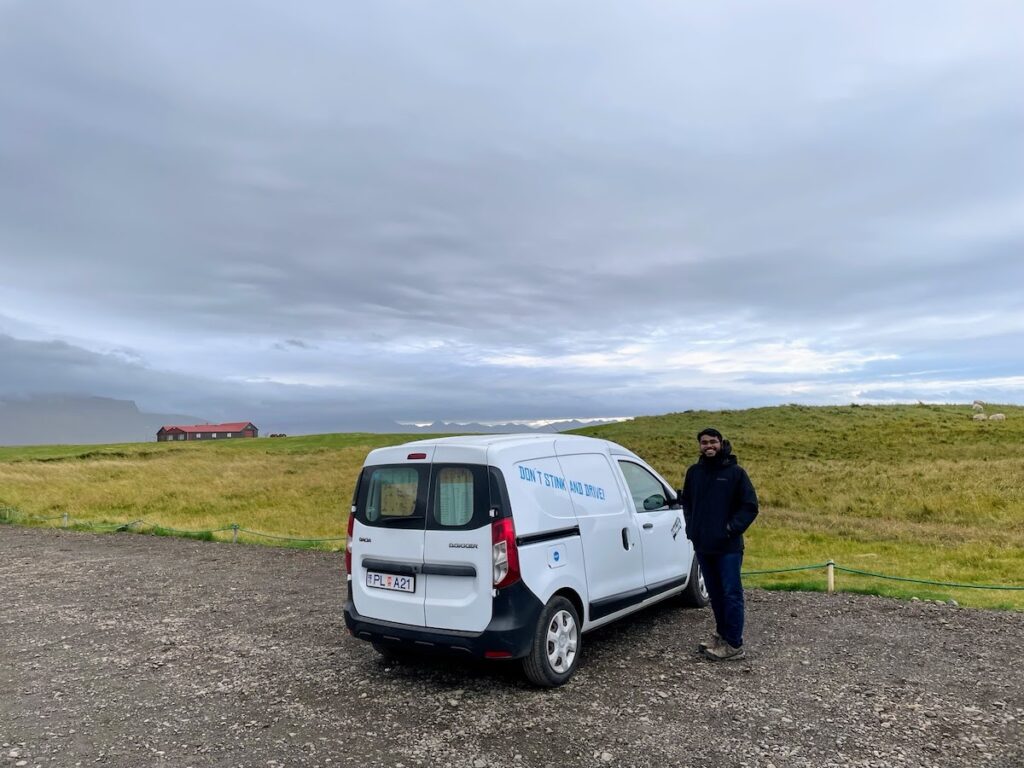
[(709, 446)]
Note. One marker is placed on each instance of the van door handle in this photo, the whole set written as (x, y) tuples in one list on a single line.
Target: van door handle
[(648, 526), (625, 539)]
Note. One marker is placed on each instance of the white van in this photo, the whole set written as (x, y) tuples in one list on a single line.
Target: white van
[(510, 547)]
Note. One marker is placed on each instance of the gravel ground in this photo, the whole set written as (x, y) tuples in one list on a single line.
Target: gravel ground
[(129, 650)]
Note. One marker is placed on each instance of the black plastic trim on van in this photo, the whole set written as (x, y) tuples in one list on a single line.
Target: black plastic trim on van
[(609, 605), (665, 586), (355, 491), (431, 569), (389, 566), (443, 569), (537, 538), (513, 624), (498, 492)]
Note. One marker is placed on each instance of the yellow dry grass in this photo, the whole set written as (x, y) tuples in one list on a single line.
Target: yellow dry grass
[(914, 491)]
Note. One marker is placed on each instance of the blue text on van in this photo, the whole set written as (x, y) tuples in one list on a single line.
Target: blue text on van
[(531, 475)]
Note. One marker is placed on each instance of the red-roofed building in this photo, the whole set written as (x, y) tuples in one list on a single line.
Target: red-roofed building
[(208, 431)]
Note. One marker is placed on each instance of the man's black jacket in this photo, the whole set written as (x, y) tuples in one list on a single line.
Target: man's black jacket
[(719, 503)]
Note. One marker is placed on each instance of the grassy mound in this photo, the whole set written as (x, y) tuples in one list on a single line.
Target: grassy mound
[(915, 491)]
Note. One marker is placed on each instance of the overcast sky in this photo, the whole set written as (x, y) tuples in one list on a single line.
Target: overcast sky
[(316, 214)]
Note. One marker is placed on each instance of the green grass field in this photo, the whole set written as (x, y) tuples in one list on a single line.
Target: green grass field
[(914, 491)]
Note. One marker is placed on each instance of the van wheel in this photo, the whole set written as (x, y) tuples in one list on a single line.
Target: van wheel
[(696, 593), (556, 644)]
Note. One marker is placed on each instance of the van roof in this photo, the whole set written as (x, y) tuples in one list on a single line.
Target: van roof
[(490, 445), (508, 440)]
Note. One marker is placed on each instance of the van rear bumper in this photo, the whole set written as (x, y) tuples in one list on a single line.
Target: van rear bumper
[(509, 634)]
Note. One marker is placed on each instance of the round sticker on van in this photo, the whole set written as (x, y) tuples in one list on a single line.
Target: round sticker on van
[(556, 556)]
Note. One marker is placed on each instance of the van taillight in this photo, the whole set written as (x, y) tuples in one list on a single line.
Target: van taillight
[(504, 553), (348, 541)]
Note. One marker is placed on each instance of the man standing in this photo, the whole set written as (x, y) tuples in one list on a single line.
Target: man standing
[(719, 504)]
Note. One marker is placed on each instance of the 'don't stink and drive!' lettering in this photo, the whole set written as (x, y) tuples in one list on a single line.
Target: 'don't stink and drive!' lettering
[(548, 480)]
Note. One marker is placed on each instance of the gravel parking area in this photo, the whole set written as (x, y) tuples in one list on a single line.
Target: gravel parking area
[(129, 650)]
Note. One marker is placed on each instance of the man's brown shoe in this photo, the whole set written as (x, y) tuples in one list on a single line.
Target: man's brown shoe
[(714, 642), (725, 652)]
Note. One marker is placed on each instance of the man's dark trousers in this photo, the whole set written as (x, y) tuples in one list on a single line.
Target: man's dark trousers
[(722, 579)]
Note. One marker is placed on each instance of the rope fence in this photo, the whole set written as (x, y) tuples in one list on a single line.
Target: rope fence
[(12, 515), (788, 570), (831, 567), (925, 581)]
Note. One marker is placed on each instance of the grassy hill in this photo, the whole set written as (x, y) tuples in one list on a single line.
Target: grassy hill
[(917, 491)]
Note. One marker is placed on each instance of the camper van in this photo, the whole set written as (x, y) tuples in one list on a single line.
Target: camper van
[(510, 547)]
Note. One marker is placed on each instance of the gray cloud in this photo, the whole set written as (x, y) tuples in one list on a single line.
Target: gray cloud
[(515, 221), (292, 344)]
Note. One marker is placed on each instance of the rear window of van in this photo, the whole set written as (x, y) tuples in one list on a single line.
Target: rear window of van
[(392, 492), (427, 496), (453, 496)]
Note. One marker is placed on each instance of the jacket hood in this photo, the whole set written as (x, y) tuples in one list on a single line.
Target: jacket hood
[(723, 458)]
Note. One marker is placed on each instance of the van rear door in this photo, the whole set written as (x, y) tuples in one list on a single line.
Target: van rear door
[(387, 537), (457, 568), (422, 540)]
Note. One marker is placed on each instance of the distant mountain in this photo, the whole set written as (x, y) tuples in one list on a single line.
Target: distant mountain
[(80, 420), (449, 427), (71, 419)]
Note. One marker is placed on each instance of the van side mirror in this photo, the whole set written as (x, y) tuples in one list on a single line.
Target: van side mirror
[(654, 501)]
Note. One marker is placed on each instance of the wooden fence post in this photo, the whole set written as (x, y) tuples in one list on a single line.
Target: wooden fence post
[(831, 576)]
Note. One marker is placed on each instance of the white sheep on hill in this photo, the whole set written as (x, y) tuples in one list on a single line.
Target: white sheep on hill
[(997, 417), (979, 417), (979, 402), (978, 406)]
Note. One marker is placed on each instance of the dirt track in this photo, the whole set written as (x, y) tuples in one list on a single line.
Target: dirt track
[(128, 650)]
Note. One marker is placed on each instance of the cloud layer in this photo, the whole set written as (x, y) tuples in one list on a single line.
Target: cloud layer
[(335, 212)]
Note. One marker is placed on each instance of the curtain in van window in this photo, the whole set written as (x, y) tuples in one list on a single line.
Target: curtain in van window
[(454, 505)]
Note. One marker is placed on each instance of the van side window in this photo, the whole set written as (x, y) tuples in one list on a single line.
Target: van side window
[(392, 493), (453, 499), (642, 485)]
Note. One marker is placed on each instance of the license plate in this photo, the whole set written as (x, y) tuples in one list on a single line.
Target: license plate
[(391, 581)]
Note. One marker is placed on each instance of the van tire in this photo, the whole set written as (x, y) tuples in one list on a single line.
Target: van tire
[(696, 594), (556, 646)]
